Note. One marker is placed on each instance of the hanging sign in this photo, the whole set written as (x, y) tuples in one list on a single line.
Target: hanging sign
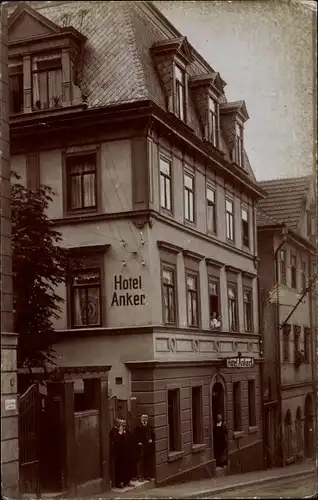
[(239, 362)]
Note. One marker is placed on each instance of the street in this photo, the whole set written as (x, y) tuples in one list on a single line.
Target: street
[(286, 488)]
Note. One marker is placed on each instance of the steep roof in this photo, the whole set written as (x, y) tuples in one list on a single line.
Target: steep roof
[(284, 201)]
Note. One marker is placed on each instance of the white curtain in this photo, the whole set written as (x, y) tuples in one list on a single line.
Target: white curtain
[(46, 85)]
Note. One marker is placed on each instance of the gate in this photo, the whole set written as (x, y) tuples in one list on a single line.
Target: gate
[(29, 426)]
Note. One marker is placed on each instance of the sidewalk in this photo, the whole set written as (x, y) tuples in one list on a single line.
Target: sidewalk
[(218, 485)]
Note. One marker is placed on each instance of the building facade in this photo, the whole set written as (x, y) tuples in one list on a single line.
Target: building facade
[(9, 417), (155, 200), (287, 279)]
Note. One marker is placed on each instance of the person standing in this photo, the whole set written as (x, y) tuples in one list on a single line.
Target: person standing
[(220, 438), (112, 450), (145, 438)]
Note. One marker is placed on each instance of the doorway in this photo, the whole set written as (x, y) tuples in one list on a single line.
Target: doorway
[(308, 430), (270, 440), (217, 401)]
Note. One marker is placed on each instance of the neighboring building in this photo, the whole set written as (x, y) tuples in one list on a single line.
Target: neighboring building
[(9, 417), (285, 231), (155, 197)]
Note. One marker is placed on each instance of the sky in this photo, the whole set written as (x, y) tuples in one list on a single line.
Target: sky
[(264, 50)]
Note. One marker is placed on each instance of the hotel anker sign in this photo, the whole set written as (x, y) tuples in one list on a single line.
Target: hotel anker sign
[(129, 297), (239, 362)]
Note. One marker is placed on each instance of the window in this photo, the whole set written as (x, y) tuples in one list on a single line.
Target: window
[(230, 220), (46, 82), (16, 88), (197, 417), (310, 219), (189, 197), (251, 403), (213, 121), (296, 340), (232, 304), (211, 211), (169, 301), (283, 267), (307, 344), (193, 299), (245, 228), (165, 184), (180, 92), (237, 406), (238, 152), (81, 182), (303, 275), (293, 270), (248, 310), (174, 420), (214, 298), (86, 298), (286, 333)]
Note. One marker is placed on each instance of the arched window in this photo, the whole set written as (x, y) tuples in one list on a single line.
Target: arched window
[(288, 436), (299, 432)]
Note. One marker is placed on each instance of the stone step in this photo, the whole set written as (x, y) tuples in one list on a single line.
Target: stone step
[(136, 485), (220, 471)]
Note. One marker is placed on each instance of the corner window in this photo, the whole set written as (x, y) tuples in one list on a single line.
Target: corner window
[(293, 270), (174, 425), (303, 275), (180, 92), (189, 197), (16, 88), (237, 417), (193, 300), (248, 310), (169, 295), (86, 298), (197, 417), (238, 151), (46, 82), (211, 210), (165, 184), (230, 220), (213, 121), (283, 267), (232, 305), (81, 182), (245, 228)]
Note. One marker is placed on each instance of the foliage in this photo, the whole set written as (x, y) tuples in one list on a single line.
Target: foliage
[(39, 266)]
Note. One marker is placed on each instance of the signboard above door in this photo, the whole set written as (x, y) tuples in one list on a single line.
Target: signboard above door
[(239, 362)]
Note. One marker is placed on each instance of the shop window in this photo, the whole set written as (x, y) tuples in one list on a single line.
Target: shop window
[(174, 424), (197, 417)]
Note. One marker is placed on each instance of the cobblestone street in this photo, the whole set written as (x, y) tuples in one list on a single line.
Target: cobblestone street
[(299, 488)]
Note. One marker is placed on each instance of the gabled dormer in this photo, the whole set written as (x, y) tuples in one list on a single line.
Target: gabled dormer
[(207, 90), (233, 116), (43, 62), (171, 58)]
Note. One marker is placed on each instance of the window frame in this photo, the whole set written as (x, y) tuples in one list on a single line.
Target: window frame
[(187, 193), (239, 144), (167, 178), (307, 344), (216, 280), (303, 274), (67, 176), (89, 267), (166, 266), (283, 267), (231, 285), (13, 74), (197, 408), (212, 204), (237, 406), (177, 415), (213, 121), (245, 225), (250, 292), (297, 332), (229, 217), (251, 395), (293, 271), (180, 92), (286, 346), (47, 70), (189, 273)]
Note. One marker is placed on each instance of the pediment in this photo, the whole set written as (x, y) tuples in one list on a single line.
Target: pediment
[(178, 45), (185, 49), (27, 23)]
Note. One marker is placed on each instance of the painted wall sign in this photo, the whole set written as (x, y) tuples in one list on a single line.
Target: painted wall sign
[(239, 362), (10, 404), (130, 297)]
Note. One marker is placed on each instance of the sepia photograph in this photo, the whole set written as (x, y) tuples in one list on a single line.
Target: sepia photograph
[(159, 250)]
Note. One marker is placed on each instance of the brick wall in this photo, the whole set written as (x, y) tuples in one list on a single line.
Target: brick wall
[(9, 415)]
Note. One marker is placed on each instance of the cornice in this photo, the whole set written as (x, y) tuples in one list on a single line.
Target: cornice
[(164, 245)]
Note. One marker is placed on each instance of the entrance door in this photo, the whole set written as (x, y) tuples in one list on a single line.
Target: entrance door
[(217, 401), (308, 430)]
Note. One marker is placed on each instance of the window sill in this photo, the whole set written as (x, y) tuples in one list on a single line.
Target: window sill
[(198, 447), (166, 211), (80, 212), (175, 455), (230, 242), (238, 434), (252, 429)]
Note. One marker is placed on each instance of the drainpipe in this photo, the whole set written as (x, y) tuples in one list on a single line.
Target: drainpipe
[(278, 349)]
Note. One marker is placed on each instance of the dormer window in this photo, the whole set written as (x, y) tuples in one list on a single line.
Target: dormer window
[(213, 121), (16, 88), (46, 82), (238, 150), (180, 102)]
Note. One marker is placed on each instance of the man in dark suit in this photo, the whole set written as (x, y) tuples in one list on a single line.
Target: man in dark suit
[(145, 439)]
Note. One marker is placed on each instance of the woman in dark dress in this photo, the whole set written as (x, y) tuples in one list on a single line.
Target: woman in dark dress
[(220, 442)]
